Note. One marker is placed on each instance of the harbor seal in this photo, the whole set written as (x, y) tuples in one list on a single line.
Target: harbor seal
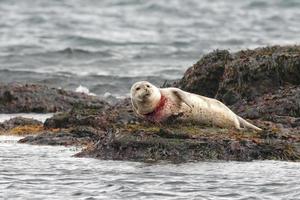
[(160, 104)]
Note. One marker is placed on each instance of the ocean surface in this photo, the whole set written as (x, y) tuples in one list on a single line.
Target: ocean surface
[(102, 47), (45, 172), (107, 45)]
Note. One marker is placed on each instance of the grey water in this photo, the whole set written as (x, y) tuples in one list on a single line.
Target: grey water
[(47, 172), (109, 44)]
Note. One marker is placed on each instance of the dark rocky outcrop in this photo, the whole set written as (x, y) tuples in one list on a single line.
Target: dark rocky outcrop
[(244, 75), (78, 136), (284, 102), (261, 85), (205, 76), (16, 98), (19, 121), (125, 137), (186, 143), (21, 126)]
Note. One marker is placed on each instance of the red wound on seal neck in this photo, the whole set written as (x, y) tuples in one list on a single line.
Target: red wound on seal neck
[(154, 116)]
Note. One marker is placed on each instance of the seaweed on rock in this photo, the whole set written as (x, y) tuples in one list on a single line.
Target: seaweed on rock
[(262, 85)]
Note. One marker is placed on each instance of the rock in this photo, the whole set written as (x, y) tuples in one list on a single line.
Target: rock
[(99, 117), (261, 85), (281, 102), (19, 121), (244, 75), (16, 98), (83, 124), (125, 137), (78, 136), (253, 73), (50, 138), (150, 145), (205, 76), (21, 126)]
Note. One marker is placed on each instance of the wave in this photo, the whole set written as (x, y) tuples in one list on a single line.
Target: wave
[(93, 84), (71, 51), (84, 90), (4, 73)]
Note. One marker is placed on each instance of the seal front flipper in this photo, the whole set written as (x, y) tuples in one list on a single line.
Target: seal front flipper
[(135, 109), (182, 97)]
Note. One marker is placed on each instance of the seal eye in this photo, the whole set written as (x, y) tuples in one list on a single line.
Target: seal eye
[(147, 86), (138, 88)]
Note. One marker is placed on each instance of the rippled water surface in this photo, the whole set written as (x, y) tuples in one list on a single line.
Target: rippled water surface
[(44, 172), (109, 44)]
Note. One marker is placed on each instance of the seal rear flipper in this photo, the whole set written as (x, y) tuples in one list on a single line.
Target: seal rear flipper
[(247, 124)]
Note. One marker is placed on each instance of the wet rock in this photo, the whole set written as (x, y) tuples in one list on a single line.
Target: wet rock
[(125, 137), (253, 73), (83, 124), (19, 121), (149, 145), (97, 117), (16, 98), (205, 76), (78, 136), (61, 138), (273, 106), (261, 85), (21, 126), (244, 75)]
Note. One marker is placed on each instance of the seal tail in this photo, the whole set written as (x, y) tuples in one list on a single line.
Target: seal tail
[(248, 125)]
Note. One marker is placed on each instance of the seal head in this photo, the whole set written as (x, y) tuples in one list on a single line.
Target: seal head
[(145, 97)]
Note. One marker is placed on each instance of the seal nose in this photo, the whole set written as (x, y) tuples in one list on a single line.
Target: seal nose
[(146, 93)]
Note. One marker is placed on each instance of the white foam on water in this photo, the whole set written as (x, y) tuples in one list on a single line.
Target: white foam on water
[(84, 90)]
